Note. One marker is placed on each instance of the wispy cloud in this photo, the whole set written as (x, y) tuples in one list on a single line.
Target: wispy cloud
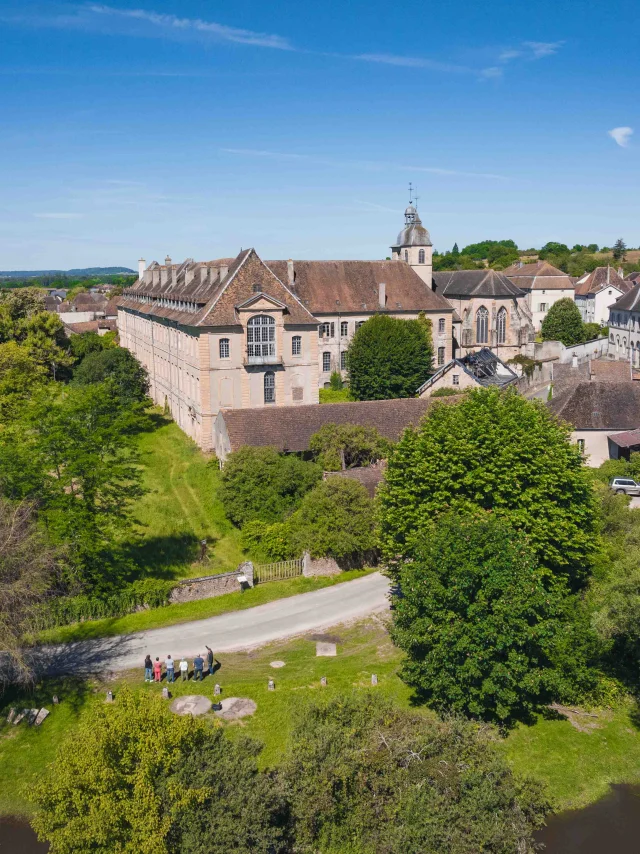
[(621, 135), (58, 215), (412, 62), (491, 73), (360, 164), (542, 49)]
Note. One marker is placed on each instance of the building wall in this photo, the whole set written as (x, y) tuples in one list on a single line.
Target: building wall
[(519, 329), (596, 445), (594, 308), (189, 376), (337, 344), (539, 297), (447, 380), (624, 336)]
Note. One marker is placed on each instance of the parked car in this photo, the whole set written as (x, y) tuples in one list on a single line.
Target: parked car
[(624, 485)]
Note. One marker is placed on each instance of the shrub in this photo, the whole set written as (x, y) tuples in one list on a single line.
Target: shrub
[(447, 392), (261, 484), (563, 322), (335, 381), (335, 519), (268, 542)]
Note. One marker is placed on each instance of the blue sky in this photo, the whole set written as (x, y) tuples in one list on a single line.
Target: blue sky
[(197, 128)]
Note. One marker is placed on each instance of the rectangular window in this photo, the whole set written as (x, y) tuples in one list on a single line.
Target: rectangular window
[(296, 345), (542, 306), (333, 330), (581, 446), (326, 362), (456, 379), (324, 330), (344, 329), (441, 355), (343, 360), (441, 325)]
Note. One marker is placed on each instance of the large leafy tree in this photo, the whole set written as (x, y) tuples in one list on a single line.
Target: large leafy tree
[(365, 776), (389, 358), (119, 368), (493, 451), (20, 376), (261, 484), (74, 452), (563, 322), (335, 519), (345, 446), (150, 782), (485, 629)]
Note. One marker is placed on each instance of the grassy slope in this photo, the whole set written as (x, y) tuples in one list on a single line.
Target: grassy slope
[(577, 767), (181, 508), (200, 610)]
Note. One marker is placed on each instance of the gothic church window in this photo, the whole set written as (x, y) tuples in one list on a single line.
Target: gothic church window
[(482, 325), (502, 325)]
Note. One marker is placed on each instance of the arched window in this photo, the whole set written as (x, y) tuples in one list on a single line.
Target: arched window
[(482, 325), (224, 348), (261, 336), (406, 254), (617, 343), (269, 387), (296, 345), (624, 346), (421, 256), (501, 325)]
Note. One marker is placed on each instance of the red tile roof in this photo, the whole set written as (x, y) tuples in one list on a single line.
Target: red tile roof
[(599, 279)]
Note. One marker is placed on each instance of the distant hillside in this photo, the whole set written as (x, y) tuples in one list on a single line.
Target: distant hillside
[(84, 271)]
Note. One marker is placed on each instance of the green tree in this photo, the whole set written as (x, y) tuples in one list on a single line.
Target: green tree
[(345, 446), (563, 322), (261, 484), (90, 342), (335, 381), (494, 451), (150, 782), (365, 776), (20, 375), (619, 250), (592, 247), (45, 339), (389, 358), (483, 626), (119, 369), (455, 251), (74, 452), (552, 248), (335, 519), (482, 250)]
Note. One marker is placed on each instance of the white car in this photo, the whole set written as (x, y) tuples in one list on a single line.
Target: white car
[(625, 486)]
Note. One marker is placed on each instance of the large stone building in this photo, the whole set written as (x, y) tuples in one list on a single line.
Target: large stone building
[(244, 334)]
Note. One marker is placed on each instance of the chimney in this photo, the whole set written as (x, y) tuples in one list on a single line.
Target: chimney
[(174, 274), (290, 274), (164, 276), (608, 274), (382, 295), (223, 273), (621, 272), (141, 265)]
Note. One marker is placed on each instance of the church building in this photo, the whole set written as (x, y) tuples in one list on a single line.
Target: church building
[(244, 333)]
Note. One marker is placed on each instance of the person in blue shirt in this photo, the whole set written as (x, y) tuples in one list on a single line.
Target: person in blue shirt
[(198, 666)]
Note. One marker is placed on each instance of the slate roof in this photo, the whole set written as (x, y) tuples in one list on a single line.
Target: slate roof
[(629, 301), (414, 233), (599, 279), (214, 288), (475, 283), (539, 276), (333, 287), (483, 366), (600, 406), (289, 428)]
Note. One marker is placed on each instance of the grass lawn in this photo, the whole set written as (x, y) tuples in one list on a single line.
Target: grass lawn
[(180, 508), (577, 767), (199, 610)]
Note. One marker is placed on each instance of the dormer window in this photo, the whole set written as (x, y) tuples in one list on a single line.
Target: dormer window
[(261, 338)]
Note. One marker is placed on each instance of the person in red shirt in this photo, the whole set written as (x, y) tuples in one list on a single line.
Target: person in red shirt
[(157, 670)]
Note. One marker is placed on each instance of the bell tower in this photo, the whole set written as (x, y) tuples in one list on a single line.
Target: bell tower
[(413, 245)]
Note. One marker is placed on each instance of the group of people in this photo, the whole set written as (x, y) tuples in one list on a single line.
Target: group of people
[(153, 669)]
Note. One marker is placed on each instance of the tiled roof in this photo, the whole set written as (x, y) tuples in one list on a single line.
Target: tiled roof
[(632, 277), (368, 476), (79, 328), (603, 370), (630, 301), (539, 276), (475, 283), (215, 288), (332, 287), (628, 439), (599, 279), (289, 428), (111, 308), (600, 406)]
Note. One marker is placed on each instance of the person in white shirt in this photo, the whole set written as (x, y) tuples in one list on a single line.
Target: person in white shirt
[(169, 664), (184, 669)]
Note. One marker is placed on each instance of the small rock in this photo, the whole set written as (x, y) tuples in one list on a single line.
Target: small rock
[(374, 679), (217, 690), (323, 681), (55, 700), (271, 685), (20, 716), (109, 697), (32, 714), (42, 714), (11, 716), (165, 694)]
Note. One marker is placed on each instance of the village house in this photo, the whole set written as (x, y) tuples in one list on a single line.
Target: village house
[(543, 285), (597, 291), (624, 327)]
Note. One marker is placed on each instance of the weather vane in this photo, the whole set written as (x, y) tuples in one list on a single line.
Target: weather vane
[(410, 192)]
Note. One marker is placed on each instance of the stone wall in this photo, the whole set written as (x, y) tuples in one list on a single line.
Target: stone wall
[(209, 586), (312, 567)]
